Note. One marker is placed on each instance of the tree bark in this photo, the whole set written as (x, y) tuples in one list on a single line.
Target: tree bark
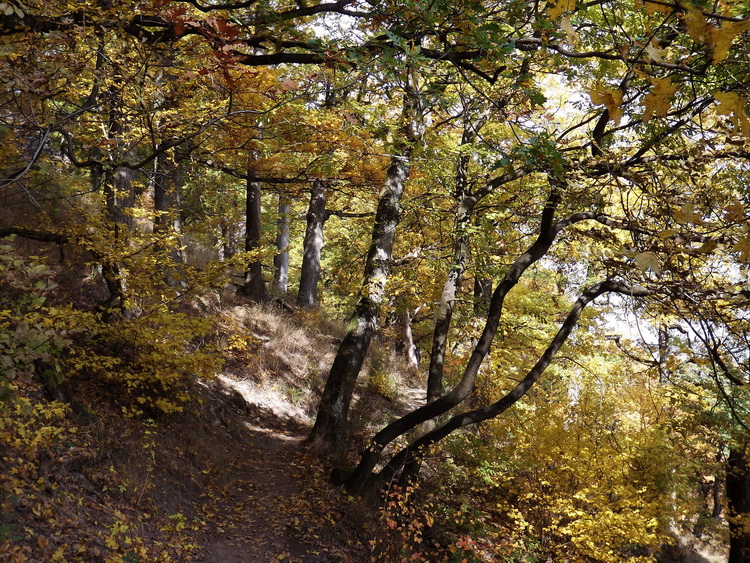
[(432, 409), (330, 424), (482, 294), (120, 196), (738, 500), (167, 216), (307, 298), (281, 260), (254, 286), (408, 458), (464, 211), (448, 298)]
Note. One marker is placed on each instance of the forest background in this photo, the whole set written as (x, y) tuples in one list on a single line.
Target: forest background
[(535, 212)]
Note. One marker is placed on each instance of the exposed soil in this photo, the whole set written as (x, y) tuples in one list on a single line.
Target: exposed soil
[(271, 502)]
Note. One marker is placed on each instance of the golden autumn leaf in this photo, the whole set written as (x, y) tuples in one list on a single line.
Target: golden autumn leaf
[(733, 105), (560, 7), (721, 39), (688, 215), (654, 53), (659, 100), (743, 248), (648, 261), (657, 8), (735, 211), (611, 98), (697, 26)]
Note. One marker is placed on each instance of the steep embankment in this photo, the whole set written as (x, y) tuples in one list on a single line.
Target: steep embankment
[(227, 479)]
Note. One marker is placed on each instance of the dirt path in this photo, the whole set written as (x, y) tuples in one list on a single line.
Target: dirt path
[(272, 501)]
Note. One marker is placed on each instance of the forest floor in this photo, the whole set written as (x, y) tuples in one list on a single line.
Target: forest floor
[(270, 499), (228, 479)]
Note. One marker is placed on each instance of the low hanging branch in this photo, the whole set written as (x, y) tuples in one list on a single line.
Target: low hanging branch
[(409, 454)]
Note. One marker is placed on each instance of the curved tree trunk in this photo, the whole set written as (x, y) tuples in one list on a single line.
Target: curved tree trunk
[(407, 459), (307, 298), (371, 456)]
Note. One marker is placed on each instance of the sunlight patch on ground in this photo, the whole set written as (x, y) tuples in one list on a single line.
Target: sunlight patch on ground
[(267, 397)]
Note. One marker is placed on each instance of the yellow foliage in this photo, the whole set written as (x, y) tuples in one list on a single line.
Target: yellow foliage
[(611, 98), (733, 104), (560, 7), (698, 28), (657, 8), (659, 100), (720, 39)]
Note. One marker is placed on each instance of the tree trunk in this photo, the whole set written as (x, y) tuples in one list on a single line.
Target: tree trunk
[(408, 458), (307, 298), (254, 286), (464, 210), (120, 196), (482, 295), (330, 424), (407, 340), (738, 500), (448, 299), (167, 216), (281, 260), (399, 427)]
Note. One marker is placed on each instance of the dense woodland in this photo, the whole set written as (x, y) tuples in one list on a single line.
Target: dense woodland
[(535, 212)]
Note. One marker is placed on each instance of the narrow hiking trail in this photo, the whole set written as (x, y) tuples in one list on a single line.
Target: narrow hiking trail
[(271, 501)]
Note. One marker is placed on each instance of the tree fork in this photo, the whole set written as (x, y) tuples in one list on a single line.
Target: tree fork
[(407, 459), (399, 427)]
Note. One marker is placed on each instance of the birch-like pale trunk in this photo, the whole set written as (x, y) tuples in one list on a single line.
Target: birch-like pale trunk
[(281, 260), (307, 298)]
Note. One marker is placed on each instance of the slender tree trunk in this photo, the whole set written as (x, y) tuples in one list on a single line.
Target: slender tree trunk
[(254, 286), (330, 425), (224, 243), (435, 408), (464, 210), (407, 340), (168, 218), (482, 294), (738, 499), (408, 458), (307, 298), (281, 260), (120, 196), (448, 299)]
